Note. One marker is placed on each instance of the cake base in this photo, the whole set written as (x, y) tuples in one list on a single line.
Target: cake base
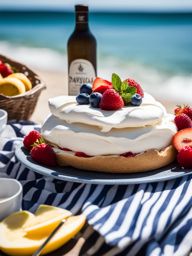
[(147, 161)]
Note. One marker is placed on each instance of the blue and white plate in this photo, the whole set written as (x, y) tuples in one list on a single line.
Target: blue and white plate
[(169, 172)]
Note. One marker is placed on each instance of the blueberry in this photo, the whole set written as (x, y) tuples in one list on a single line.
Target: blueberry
[(86, 88), (136, 99), (95, 99), (82, 99)]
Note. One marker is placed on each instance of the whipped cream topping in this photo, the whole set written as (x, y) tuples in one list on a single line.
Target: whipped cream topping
[(91, 140), (150, 112)]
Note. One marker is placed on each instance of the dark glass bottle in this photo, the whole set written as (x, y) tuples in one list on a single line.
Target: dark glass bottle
[(82, 52)]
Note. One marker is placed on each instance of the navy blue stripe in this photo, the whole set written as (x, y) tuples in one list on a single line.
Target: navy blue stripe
[(59, 185), (26, 205), (180, 234), (119, 194), (28, 186), (4, 159), (24, 174), (36, 196), (17, 130), (151, 208), (41, 184), (99, 199), (10, 167), (164, 206), (185, 210), (50, 199), (184, 190), (8, 145)]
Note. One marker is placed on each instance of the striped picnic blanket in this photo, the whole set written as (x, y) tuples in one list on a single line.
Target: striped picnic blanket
[(144, 219)]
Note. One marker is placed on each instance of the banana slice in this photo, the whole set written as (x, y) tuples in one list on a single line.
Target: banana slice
[(25, 80), (11, 86)]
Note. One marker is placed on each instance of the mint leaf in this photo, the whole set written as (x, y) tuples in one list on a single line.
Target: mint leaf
[(126, 98), (116, 81), (131, 89), (124, 86)]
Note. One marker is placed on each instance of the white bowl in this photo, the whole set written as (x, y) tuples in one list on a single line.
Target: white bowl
[(10, 196), (3, 119)]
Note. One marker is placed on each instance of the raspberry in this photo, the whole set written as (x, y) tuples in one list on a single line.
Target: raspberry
[(30, 139), (111, 100), (44, 154), (182, 121), (184, 110), (133, 83), (184, 157)]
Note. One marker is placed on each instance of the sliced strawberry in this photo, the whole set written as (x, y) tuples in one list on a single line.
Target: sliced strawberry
[(101, 85), (183, 138)]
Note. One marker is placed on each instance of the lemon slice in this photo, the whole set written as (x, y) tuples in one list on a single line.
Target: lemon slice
[(15, 241), (46, 220), (24, 79), (11, 86)]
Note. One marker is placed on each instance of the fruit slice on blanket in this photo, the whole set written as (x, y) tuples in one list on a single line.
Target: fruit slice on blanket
[(46, 219), (25, 80), (11, 86), (22, 233)]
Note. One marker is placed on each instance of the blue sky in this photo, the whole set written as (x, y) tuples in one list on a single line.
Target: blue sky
[(100, 4)]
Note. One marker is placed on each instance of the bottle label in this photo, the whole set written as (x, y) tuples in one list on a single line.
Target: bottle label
[(80, 72), (81, 17)]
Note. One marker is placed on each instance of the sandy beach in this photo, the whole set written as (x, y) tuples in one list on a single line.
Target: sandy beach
[(56, 84)]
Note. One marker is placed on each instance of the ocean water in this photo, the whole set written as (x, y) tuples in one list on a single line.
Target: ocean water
[(153, 48)]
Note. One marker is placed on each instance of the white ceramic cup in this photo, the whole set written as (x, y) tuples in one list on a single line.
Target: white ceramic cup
[(10, 196), (3, 119)]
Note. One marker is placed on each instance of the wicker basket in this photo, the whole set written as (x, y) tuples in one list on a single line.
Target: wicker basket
[(21, 107)]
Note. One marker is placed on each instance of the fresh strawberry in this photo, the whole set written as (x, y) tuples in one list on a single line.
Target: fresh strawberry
[(182, 121), (133, 83), (111, 100), (5, 70), (183, 138), (184, 157), (30, 139), (101, 85), (81, 154), (43, 154), (184, 110)]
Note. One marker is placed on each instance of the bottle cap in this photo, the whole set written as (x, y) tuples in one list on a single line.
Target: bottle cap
[(81, 8)]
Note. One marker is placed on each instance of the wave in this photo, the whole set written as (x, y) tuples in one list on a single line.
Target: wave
[(167, 87), (38, 58)]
